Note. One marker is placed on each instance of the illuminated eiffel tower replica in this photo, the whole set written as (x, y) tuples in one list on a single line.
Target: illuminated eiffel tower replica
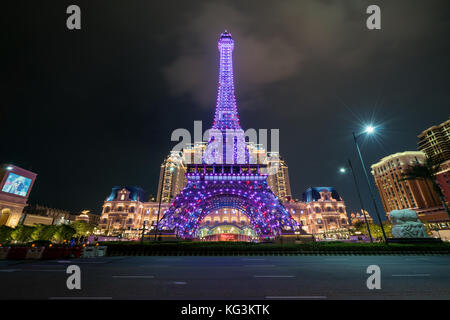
[(227, 176)]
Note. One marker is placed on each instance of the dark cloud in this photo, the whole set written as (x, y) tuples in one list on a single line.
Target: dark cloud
[(92, 109)]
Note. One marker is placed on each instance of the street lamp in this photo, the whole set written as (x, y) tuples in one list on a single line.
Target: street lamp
[(369, 130), (343, 170)]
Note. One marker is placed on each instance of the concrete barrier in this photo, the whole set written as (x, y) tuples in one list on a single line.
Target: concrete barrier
[(35, 253), (4, 252), (88, 252), (100, 251)]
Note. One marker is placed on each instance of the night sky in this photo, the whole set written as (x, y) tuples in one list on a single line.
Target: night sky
[(91, 109)]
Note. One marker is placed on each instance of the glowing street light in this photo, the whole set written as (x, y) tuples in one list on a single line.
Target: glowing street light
[(342, 170), (369, 129)]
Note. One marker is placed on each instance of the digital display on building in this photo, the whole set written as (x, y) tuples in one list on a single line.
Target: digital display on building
[(16, 184)]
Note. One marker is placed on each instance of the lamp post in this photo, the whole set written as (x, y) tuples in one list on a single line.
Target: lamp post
[(342, 170), (369, 130)]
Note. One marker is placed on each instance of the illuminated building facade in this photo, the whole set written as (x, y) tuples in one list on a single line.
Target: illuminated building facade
[(38, 214), (435, 142), (325, 210), (443, 180), (279, 182), (15, 187), (359, 217), (173, 170), (172, 177), (125, 211), (124, 214), (407, 194)]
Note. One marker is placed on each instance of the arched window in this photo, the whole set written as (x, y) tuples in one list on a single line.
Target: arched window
[(131, 209), (107, 209)]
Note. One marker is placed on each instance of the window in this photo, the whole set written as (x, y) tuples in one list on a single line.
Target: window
[(107, 209)]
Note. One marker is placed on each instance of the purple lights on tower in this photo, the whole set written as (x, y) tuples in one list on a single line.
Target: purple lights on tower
[(227, 178), (226, 116), (226, 137)]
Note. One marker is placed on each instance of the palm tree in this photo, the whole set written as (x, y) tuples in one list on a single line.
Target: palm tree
[(427, 172)]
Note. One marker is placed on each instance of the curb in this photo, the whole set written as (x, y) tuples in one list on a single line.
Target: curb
[(276, 253)]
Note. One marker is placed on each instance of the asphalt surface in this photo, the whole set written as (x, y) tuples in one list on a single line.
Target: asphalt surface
[(253, 277)]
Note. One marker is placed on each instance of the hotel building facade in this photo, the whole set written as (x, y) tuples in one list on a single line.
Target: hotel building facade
[(435, 142), (397, 194)]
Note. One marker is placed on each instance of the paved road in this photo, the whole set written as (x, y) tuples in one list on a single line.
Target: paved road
[(291, 277)]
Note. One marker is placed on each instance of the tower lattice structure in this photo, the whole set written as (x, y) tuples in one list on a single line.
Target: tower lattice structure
[(227, 176)]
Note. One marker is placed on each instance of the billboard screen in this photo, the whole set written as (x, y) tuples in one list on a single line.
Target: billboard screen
[(16, 184)]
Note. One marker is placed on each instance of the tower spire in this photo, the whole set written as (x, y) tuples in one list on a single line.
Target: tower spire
[(226, 116)]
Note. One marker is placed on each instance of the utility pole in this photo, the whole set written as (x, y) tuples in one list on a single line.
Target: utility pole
[(360, 200)]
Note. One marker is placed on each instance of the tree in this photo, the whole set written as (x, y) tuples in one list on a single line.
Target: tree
[(5, 234), (43, 232), (63, 232), (82, 228), (375, 229), (426, 172), (22, 233)]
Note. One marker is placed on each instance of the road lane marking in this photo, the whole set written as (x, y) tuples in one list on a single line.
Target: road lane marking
[(259, 265), (412, 275), (335, 259), (80, 298), (295, 297), (253, 259), (274, 276), (134, 277), (180, 282), (10, 270), (155, 265), (46, 270)]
